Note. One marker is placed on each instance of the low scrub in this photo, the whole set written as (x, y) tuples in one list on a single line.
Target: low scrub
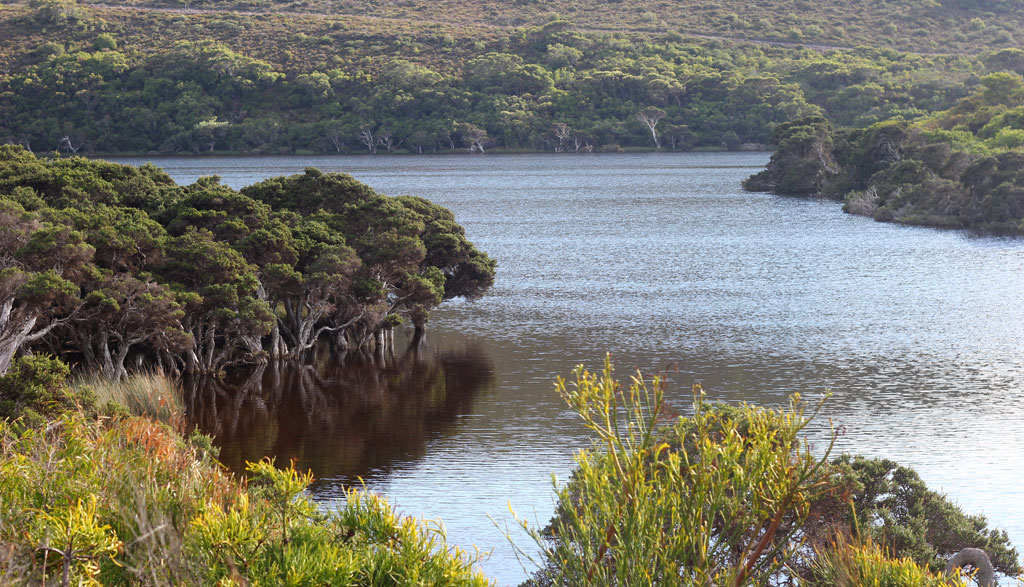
[(730, 495), (129, 501)]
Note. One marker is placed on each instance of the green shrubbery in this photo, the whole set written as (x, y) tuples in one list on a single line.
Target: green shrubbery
[(960, 167), (129, 501), (732, 496), (183, 83), (35, 389)]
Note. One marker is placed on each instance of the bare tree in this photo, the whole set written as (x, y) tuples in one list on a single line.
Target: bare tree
[(581, 144), (561, 132), (65, 144), (651, 116), (387, 140), (366, 137)]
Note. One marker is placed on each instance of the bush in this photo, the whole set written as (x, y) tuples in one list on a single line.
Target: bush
[(895, 509), (718, 498), (732, 496), (34, 390), (845, 563)]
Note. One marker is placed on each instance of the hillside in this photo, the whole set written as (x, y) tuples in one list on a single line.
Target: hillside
[(907, 25), (323, 77)]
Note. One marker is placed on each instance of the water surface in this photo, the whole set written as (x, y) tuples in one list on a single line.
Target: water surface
[(663, 261)]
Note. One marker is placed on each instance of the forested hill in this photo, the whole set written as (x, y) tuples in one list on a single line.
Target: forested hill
[(937, 26), (351, 76)]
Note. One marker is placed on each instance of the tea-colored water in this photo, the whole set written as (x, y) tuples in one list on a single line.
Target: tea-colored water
[(661, 260)]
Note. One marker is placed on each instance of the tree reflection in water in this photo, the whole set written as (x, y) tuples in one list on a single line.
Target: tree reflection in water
[(343, 419)]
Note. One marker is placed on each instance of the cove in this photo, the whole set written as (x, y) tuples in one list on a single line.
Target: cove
[(663, 261)]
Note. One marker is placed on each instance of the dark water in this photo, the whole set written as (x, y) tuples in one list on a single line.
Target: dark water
[(662, 261)]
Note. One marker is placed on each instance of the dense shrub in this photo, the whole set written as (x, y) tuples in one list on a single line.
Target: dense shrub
[(35, 388), (731, 495)]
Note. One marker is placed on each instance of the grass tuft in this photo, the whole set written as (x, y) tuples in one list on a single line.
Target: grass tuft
[(153, 395)]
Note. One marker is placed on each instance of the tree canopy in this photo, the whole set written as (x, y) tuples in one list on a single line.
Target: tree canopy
[(960, 167), (103, 263)]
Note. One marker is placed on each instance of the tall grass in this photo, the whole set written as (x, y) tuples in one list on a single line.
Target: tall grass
[(153, 395)]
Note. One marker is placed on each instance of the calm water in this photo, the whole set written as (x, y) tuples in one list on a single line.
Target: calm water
[(662, 261)]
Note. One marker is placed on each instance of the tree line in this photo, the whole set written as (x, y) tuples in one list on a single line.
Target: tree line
[(116, 87), (110, 265)]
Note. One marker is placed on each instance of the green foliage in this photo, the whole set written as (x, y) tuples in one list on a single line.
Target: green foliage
[(76, 536), (732, 496), (106, 262), (34, 389), (131, 502), (224, 82), (721, 499), (897, 512), (959, 167), (802, 163)]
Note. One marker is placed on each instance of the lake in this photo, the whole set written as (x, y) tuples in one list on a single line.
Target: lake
[(664, 262)]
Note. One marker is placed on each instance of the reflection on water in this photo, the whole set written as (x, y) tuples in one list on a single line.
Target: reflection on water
[(342, 419)]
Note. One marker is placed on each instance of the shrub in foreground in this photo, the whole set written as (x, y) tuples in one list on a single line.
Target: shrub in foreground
[(715, 499), (129, 501), (732, 496)]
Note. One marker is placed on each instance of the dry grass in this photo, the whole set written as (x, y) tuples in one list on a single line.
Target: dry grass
[(153, 395)]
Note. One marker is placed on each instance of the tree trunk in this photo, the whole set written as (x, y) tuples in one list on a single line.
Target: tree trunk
[(119, 370), (419, 334), (275, 341), (11, 339)]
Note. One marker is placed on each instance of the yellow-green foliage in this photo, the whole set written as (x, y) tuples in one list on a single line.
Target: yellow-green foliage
[(133, 502), (845, 564), (720, 500), (78, 540)]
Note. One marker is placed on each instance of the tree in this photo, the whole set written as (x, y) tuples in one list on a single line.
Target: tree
[(41, 266), (475, 137), (364, 257), (367, 138), (218, 291), (561, 131), (419, 140), (122, 313), (86, 272), (650, 117)]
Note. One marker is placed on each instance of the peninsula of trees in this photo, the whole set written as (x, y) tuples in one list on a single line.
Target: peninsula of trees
[(364, 77), (105, 264), (963, 167)]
